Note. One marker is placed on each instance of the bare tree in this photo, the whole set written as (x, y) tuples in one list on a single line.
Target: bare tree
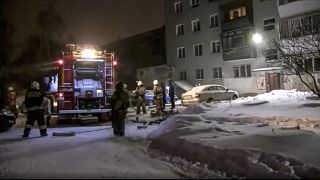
[(296, 53)]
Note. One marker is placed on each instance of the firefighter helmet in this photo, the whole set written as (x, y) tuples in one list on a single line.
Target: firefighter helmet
[(155, 82), (34, 85), (139, 83), (10, 88)]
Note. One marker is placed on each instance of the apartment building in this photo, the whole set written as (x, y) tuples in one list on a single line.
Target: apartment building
[(298, 19), (210, 41)]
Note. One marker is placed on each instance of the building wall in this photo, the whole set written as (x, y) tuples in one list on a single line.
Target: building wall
[(260, 10), (139, 51)]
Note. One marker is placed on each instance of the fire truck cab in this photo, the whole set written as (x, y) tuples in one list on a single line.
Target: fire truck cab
[(85, 81)]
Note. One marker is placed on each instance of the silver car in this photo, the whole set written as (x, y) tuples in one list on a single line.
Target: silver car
[(208, 93)]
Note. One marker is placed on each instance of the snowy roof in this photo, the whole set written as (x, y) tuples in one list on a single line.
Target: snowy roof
[(267, 69)]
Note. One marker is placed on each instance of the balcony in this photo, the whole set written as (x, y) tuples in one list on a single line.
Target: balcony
[(237, 23), (239, 53), (297, 8)]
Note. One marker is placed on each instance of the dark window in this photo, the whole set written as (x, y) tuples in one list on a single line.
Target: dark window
[(196, 25), (183, 75), (181, 52), (194, 3), (308, 65), (236, 71), (199, 74), (217, 72), (214, 21), (178, 7), (197, 49), (316, 64), (179, 30), (306, 25), (215, 46), (242, 71)]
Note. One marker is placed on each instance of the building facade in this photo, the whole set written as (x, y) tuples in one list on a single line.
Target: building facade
[(210, 41), (137, 52)]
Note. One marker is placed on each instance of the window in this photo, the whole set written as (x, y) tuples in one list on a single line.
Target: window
[(217, 72), (282, 2), (197, 50), (179, 30), (183, 75), (178, 7), (194, 3), (308, 65), (195, 25), (301, 26), (199, 74), (214, 21), (237, 13), (235, 39), (270, 54), (181, 52), (269, 24), (242, 71), (215, 46), (316, 63)]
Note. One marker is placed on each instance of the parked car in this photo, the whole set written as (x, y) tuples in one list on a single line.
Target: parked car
[(149, 97), (208, 93)]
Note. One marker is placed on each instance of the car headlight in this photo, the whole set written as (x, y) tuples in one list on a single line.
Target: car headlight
[(99, 93)]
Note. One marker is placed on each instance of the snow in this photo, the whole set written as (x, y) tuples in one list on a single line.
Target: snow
[(272, 135)]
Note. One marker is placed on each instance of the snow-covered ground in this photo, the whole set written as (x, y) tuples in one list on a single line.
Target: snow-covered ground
[(270, 135)]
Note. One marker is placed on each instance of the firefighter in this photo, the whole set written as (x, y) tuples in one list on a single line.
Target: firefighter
[(140, 95), (158, 97), (164, 101), (171, 94), (34, 102), (119, 104), (12, 101)]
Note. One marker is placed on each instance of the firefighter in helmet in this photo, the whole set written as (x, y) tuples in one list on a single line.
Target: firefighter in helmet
[(12, 101), (119, 104), (141, 102), (34, 102), (158, 97)]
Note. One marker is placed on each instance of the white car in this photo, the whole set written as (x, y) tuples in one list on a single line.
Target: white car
[(208, 93)]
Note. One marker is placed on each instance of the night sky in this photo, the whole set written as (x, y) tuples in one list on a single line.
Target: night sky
[(91, 21)]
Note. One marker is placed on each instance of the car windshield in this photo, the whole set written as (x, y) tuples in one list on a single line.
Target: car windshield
[(149, 93)]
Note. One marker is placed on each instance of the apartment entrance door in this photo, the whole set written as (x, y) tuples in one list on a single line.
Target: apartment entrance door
[(272, 81)]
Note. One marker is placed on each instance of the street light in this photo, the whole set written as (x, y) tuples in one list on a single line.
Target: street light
[(257, 38)]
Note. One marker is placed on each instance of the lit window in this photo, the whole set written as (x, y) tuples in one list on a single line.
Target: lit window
[(237, 13)]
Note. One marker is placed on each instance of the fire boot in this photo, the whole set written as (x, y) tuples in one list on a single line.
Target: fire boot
[(26, 132), (43, 132)]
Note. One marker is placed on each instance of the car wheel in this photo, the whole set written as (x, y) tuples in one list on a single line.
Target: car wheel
[(210, 100), (234, 97)]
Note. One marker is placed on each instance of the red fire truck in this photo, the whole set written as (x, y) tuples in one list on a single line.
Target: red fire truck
[(85, 82)]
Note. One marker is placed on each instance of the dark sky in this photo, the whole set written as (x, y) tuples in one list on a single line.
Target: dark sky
[(90, 21), (101, 21)]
